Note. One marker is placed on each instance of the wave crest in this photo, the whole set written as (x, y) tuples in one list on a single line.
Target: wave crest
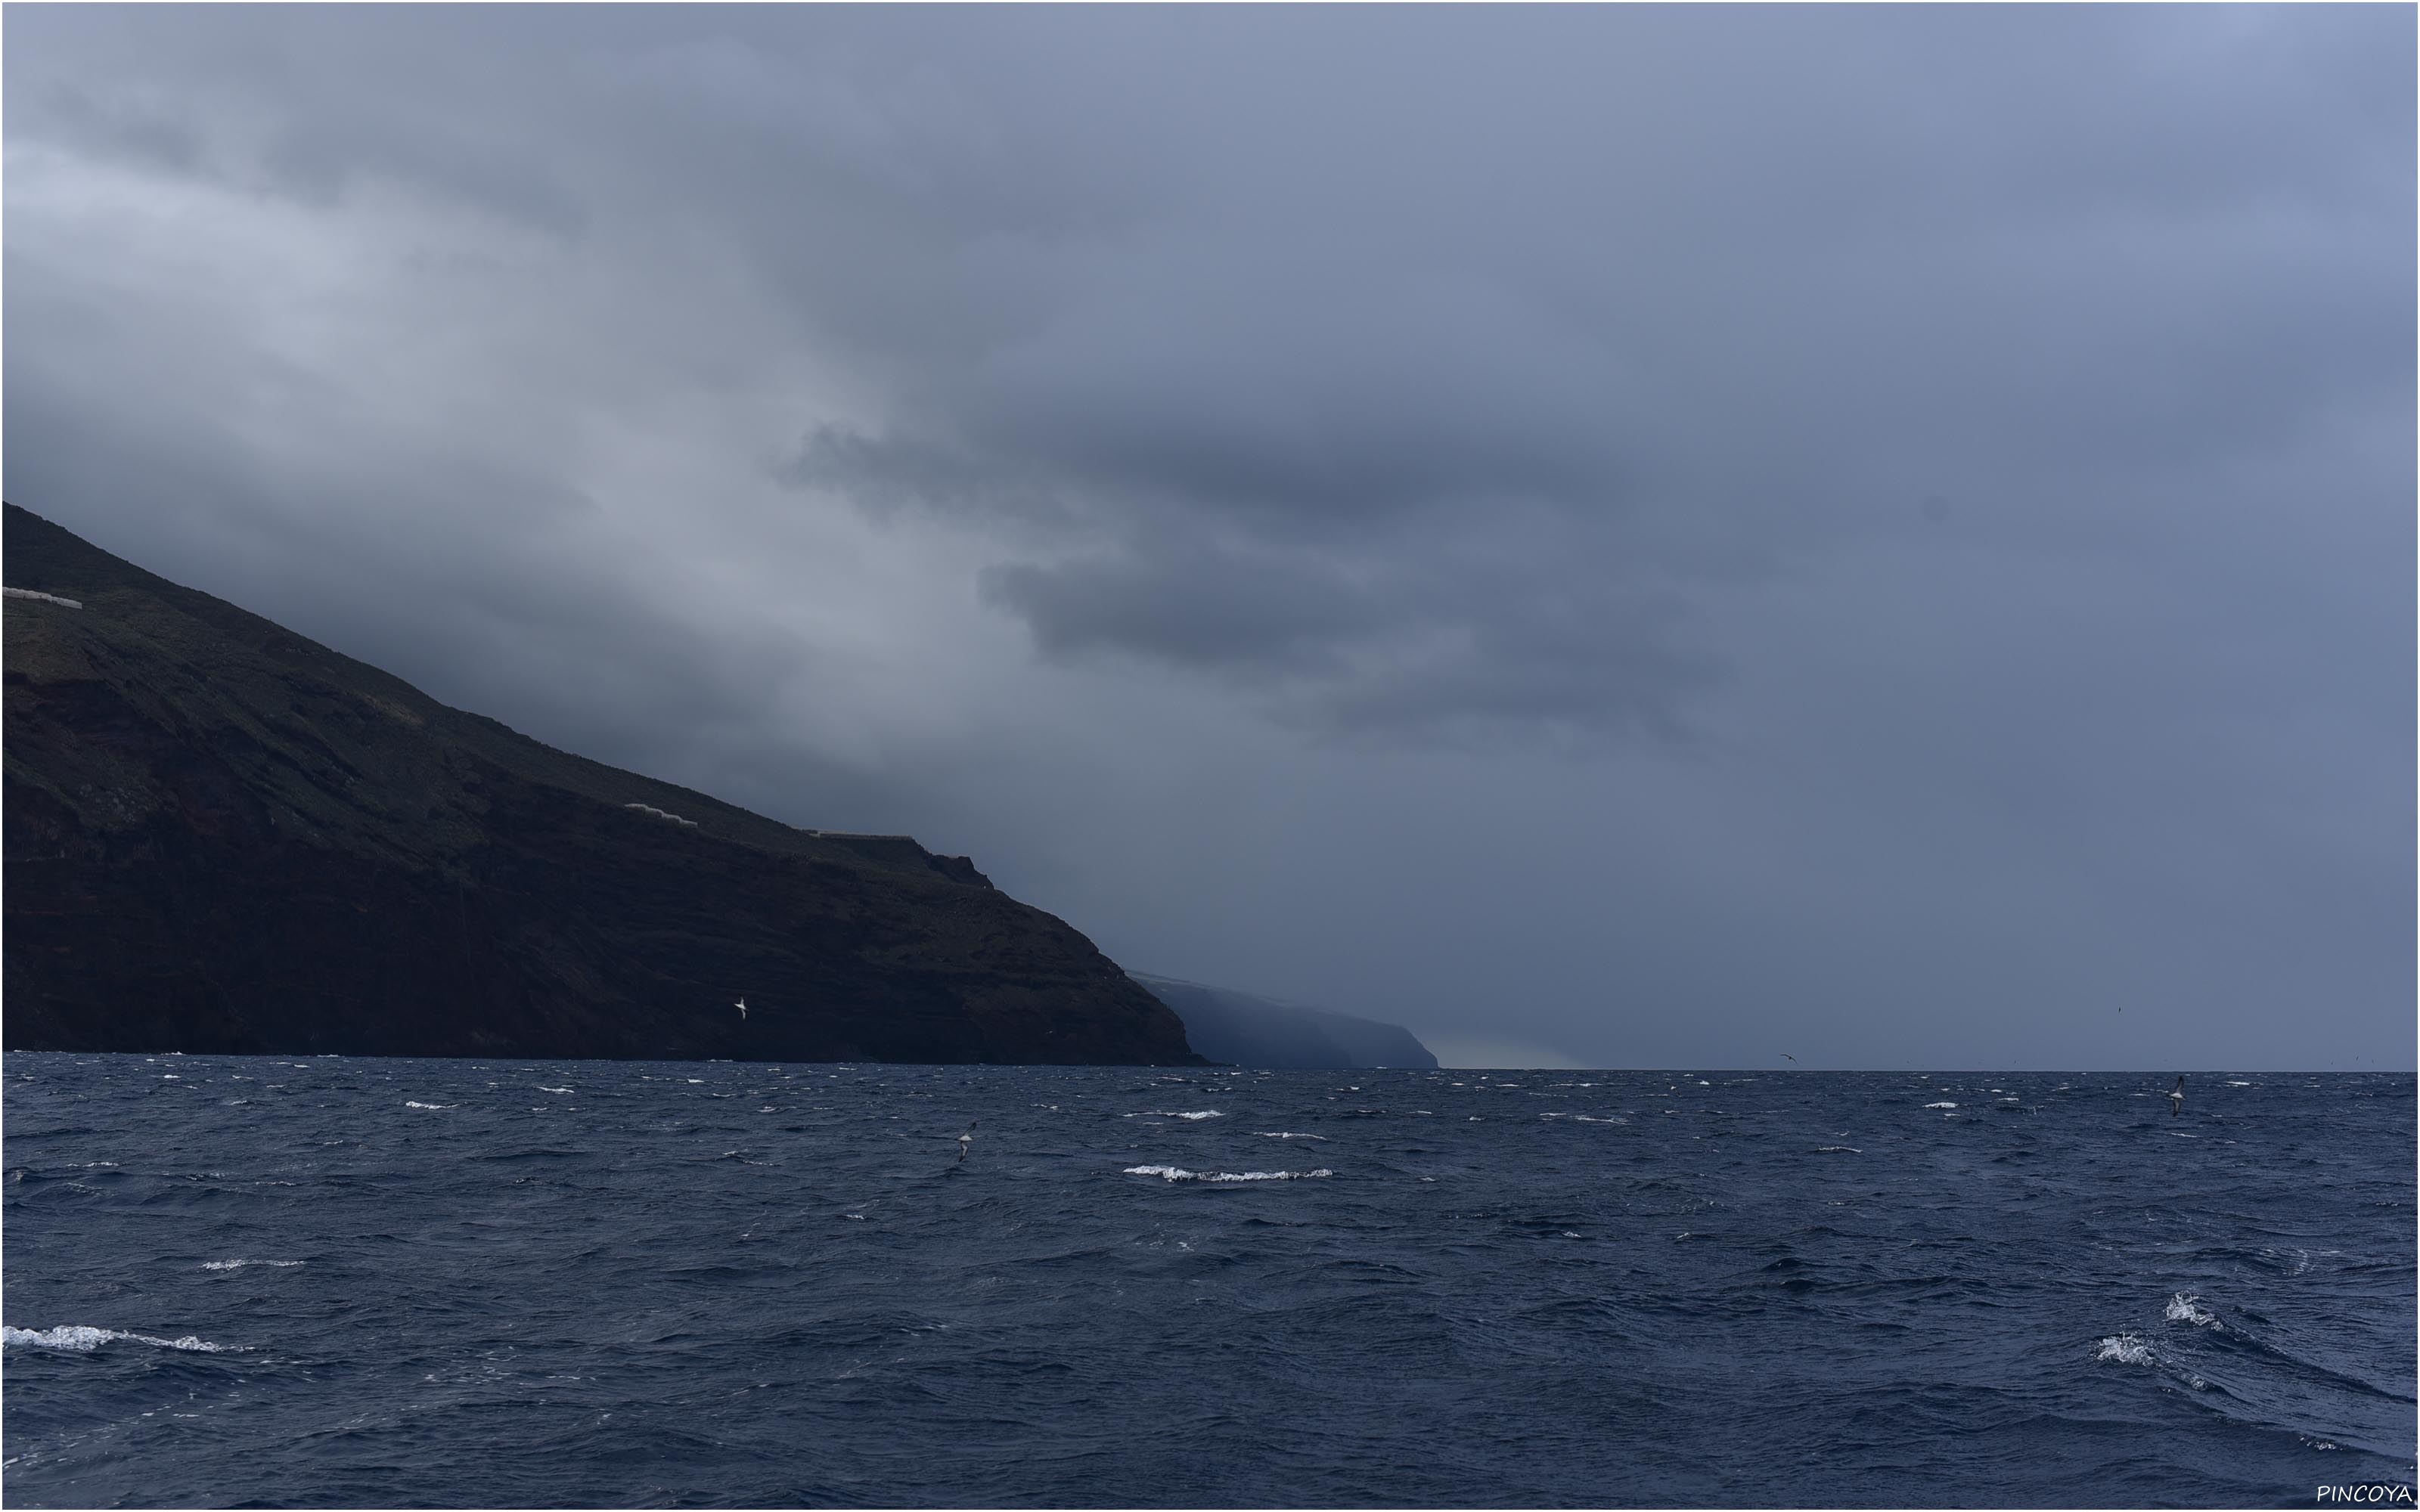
[(82, 1339), (2124, 1348), (2184, 1307), (1173, 1172)]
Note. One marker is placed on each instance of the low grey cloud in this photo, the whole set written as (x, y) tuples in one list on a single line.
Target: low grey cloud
[(1449, 652), (1629, 530)]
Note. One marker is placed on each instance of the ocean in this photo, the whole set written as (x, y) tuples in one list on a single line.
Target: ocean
[(290, 1282)]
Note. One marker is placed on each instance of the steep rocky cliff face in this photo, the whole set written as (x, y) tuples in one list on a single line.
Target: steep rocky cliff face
[(223, 837)]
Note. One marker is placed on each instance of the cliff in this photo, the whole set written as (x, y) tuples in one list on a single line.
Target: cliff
[(223, 837), (1241, 1029)]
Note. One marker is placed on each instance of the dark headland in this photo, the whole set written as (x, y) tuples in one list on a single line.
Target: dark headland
[(1245, 1029), (222, 837)]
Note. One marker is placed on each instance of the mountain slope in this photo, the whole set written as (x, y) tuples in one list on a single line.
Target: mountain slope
[(223, 837), (1243, 1030)]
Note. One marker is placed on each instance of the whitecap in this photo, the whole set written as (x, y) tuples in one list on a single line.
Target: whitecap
[(432, 1106), (1155, 1112), (2184, 1307), (1322, 1139), (554, 1088), (83, 1340), (1941, 1105), (2124, 1348), (1838, 1149), (237, 1265), (1173, 1172), (2239, 1084)]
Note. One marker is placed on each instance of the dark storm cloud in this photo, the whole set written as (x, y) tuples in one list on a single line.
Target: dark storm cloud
[(886, 476), (1826, 294), (1444, 652), (1923, 490), (1214, 610)]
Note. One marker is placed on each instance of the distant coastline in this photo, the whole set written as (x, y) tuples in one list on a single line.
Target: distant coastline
[(1244, 1029)]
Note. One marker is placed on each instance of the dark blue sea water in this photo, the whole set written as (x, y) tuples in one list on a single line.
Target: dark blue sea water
[(248, 1281)]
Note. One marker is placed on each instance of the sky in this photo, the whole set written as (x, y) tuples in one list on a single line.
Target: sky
[(1609, 537)]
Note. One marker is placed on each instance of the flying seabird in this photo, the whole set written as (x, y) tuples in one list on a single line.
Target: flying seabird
[(742, 1005), (2177, 1099), (966, 1140), (1786, 1056)]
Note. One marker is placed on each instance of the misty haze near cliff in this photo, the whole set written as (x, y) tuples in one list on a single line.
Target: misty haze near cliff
[(1623, 536)]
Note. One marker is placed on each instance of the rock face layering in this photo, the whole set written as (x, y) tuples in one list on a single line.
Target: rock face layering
[(223, 837)]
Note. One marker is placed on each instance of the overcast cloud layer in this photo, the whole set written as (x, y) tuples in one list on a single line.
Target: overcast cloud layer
[(1609, 536)]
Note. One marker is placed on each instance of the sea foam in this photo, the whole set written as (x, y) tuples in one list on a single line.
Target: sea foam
[(1172, 1173), (1156, 1113), (83, 1340), (2124, 1348), (2184, 1307)]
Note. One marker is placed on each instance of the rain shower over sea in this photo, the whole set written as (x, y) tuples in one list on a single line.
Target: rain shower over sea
[(292, 1283)]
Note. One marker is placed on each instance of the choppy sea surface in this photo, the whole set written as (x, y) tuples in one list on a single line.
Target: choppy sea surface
[(288, 1283)]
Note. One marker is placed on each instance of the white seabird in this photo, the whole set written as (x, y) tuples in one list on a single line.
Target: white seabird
[(966, 1140), (2177, 1099), (742, 1005)]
